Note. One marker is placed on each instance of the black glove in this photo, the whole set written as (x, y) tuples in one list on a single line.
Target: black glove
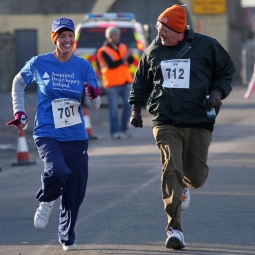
[(136, 118), (214, 101)]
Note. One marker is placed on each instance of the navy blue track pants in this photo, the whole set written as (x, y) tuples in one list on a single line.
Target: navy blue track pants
[(65, 176)]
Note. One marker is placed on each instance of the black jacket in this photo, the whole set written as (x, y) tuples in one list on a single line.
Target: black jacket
[(211, 69)]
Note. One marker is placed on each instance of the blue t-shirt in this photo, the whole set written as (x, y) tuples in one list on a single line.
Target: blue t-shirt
[(60, 88)]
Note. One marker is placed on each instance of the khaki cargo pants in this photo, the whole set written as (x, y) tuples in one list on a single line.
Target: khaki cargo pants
[(183, 154)]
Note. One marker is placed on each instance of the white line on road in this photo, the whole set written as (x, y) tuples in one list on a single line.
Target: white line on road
[(157, 170)]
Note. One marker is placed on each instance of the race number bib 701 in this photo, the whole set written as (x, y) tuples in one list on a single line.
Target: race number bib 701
[(65, 112), (176, 73)]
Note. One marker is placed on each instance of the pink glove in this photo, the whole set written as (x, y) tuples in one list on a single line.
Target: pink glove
[(17, 119), (91, 91)]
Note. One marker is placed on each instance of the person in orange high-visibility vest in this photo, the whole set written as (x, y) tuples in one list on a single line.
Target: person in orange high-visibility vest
[(114, 59)]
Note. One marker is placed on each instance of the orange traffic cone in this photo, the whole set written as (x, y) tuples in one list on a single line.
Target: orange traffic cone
[(22, 151), (88, 124)]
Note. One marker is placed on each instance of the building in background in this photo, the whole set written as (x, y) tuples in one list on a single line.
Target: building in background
[(24, 25)]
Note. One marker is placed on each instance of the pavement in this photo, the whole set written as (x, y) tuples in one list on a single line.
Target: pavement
[(123, 211), (9, 135)]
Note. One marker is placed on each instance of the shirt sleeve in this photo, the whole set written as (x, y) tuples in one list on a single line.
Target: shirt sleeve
[(27, 72), (93, 104), (18, 87), (223, 70), (90, 75), (110, 63), (142, 84)]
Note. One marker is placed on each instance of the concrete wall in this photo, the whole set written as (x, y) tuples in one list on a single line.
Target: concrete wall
[(215, 25), (23, 7), (38, 15), (42, 23)]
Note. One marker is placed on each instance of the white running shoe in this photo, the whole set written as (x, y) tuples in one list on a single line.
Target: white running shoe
[(69, 247), (116, 136), (175, 239), (185, 198), (126, 134), (42, 214)]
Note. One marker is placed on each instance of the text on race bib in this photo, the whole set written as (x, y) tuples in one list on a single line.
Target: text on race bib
[(65, 112), (176, 73)]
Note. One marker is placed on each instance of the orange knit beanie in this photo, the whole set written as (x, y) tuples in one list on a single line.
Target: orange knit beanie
[(174, 18)]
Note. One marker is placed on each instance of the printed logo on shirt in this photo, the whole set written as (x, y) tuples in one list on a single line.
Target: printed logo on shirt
[(64, 81), (46, 78)]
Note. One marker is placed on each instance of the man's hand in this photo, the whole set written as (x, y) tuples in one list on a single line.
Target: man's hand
[(136, 118), (91, 91), (214, 101), (17, 122)]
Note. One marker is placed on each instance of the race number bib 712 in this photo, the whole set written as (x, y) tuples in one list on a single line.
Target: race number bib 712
[(65, 112), (176, 73)]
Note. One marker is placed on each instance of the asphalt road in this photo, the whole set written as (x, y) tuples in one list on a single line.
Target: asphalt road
[(123, 212)]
